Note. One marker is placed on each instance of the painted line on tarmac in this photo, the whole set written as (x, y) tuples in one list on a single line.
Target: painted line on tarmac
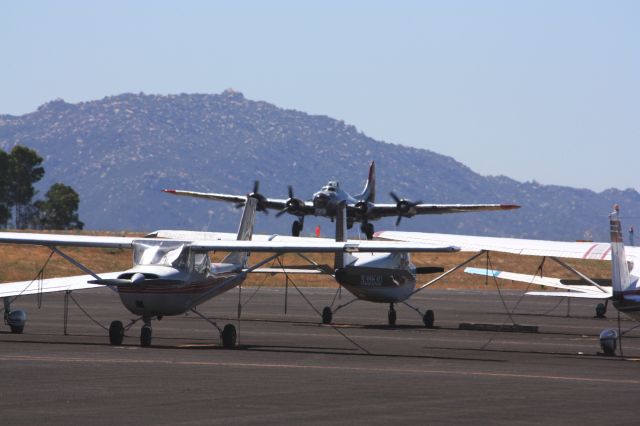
[(457, 372)]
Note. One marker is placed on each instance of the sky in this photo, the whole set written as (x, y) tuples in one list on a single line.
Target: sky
[(534, 90)]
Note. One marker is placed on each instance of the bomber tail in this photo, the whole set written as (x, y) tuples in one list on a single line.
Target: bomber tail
[(620, 276), (245, 231), (369, 191)]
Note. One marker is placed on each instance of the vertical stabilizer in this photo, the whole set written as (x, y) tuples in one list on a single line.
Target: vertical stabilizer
[(245, 231), (620, 277), (369, 191)]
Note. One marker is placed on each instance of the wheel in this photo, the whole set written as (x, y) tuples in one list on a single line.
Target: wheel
[(428, 319), (327, 315), (392, 316), (296, 228), (229, 336), (368, 230), (601, 310), (116, 333), (145, 336), (16, 329)]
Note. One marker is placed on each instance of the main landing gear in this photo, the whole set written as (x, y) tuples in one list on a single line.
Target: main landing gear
[(367, 229), (228, 335), (297, 226), (428, 318)]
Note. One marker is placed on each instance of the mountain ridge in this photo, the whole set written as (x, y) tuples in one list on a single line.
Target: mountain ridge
[(120, 151)]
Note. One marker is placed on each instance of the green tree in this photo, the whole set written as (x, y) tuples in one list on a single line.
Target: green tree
[(59, 209), (5, 205), (24, 170)]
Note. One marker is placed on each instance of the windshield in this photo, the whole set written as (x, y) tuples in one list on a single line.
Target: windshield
[(163, 253)]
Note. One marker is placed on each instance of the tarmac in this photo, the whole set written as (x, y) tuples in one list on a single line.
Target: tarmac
[(290, 369)]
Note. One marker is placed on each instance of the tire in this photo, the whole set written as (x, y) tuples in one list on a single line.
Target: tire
[(116, 333), (392, 317), (229, 336), (16, 329), (145, 336), (369, 231), (428, 319), (327, 315), (601, 310), (296, 228)]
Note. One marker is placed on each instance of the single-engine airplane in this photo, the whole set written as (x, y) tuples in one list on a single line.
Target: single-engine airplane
[(361, 208), (624, 291), (173, 276)]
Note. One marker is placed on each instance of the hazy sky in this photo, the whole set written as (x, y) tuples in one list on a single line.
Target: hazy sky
[(535, 90)]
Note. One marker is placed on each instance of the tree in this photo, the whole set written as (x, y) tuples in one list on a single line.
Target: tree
[(24, 170), (59, 209), (5, 205)]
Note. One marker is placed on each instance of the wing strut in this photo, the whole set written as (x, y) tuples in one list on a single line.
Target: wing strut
[(441, 276), (580, 274), (74, 262)]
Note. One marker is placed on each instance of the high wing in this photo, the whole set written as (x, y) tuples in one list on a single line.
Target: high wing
[(269, 203), (385, 210), (298, 246), (573, 250), (51, 285)]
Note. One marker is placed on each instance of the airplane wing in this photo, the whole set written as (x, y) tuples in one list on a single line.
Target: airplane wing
[(574, 250), (51, 285), (269, 203), (583, 291), (384, 210), (296, 245)]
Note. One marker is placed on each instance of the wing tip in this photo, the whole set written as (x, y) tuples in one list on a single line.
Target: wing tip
[(509, 206), (170, 191)]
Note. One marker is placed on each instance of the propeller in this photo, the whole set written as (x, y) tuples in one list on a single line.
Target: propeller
[(406, 208), (292, 204), (262, 201)]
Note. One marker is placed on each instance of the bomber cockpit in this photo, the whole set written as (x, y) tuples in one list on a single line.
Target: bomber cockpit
[(331, 186)]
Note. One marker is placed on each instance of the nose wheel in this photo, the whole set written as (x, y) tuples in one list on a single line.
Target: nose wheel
[(145, 335)]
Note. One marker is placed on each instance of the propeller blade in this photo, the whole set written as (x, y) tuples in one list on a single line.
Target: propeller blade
[(256, 186), (398, 221), (394, 196), (290, 191), (281, 212)]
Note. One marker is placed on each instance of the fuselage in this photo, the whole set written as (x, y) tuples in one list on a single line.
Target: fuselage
[(168, 279), (325, 201), (381, 278)]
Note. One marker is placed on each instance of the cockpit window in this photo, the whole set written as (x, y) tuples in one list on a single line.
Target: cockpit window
[(162, 253)]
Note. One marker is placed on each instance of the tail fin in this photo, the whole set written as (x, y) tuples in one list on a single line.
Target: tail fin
[(341, 259), (620, 277), (369, 191), (245, 231)]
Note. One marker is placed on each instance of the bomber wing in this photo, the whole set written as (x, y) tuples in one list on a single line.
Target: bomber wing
[(385, 210), (264, 203)]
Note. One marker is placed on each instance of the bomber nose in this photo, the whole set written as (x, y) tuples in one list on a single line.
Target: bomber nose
[(320, 201)]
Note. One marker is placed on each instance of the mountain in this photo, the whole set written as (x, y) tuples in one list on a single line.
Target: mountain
[(119, 152)]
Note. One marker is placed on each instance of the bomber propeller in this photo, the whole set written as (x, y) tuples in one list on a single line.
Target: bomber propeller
[(262, 201), (292, 205), (405, 208)]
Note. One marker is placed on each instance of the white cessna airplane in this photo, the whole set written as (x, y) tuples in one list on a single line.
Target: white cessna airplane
[(172, 276), (625, 264)]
